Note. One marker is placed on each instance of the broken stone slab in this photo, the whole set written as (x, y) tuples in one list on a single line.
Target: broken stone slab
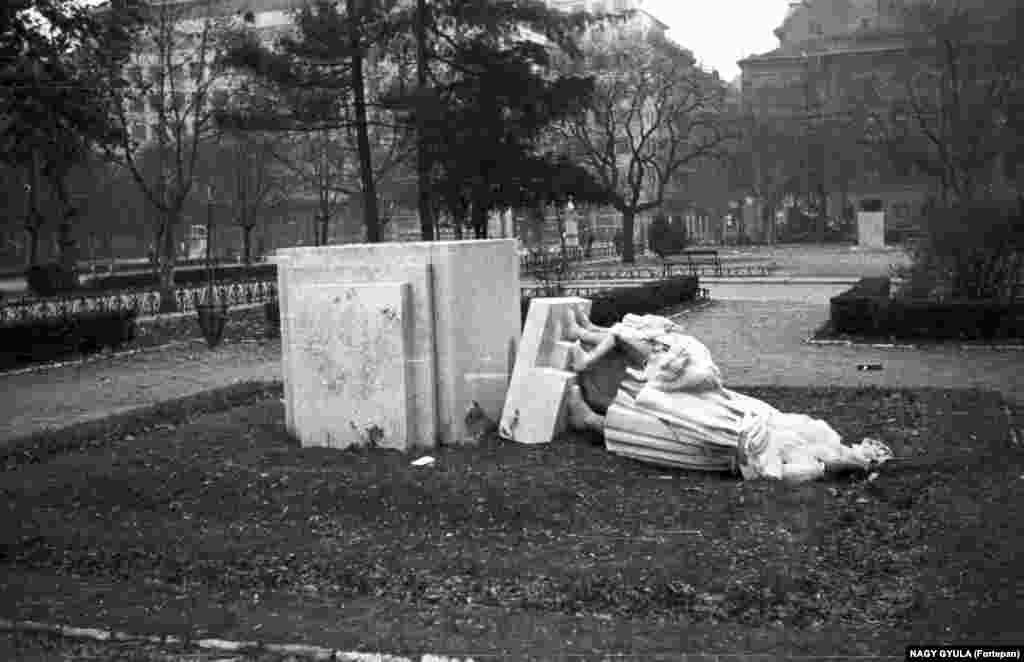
[(535, 411)]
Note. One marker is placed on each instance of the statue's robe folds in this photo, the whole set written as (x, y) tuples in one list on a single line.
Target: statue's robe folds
[(679, 414)]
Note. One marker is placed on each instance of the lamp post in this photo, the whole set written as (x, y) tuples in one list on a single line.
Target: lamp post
[(212, 317), (29, 258), (209, 244)]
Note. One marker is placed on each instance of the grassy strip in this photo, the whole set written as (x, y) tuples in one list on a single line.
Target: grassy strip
[(243, 325), (223, 527), (91, 434)]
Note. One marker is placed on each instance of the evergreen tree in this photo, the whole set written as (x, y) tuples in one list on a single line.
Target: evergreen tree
[(52, 114)]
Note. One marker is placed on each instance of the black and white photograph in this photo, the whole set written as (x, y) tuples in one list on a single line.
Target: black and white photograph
[(525, 330)]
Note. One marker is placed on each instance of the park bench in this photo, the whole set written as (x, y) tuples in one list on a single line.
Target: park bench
[(696, 259)]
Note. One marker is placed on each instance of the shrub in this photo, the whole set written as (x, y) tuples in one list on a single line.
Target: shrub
[(37, 341), (859, 309), (952, 320), (47, 280), (666, 237), (612, 305), (186, 276), (866, 310), (971, 251)]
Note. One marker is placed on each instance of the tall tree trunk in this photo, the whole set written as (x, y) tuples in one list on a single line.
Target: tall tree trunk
[(426, 210), (31, 243), (66, 244), (247, 245), (561, 229), (165, 259), (479, 221), (370, 219), (33, 219), (628, 221), (66, 253)]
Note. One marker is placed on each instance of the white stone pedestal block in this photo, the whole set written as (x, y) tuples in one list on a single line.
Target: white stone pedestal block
[(534, 410), (461, 328), (871, 229), (351, 373)]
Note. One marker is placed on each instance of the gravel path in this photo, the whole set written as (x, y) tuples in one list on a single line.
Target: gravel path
[(761, 343), (57, 397)]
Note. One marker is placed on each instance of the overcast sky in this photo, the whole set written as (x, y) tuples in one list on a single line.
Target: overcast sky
[(720, 32)]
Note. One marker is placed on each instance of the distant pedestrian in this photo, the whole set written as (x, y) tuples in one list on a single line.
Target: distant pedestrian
[(589, 243)]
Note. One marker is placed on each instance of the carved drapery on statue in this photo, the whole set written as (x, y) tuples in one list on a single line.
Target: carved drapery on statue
[(657, 396)]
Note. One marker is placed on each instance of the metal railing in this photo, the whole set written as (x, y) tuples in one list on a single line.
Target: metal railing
[(144, 301), (664, 271), (538, 260)]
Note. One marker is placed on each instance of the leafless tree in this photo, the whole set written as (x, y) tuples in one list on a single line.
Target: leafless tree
[(653, 114), (174, 70), (954, 112)]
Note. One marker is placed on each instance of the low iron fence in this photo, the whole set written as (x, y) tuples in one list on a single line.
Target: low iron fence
[(143, 301), (146, 301), (539, 260), (669, 270)]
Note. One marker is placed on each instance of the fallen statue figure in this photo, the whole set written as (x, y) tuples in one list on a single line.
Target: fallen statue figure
[(655, 395)]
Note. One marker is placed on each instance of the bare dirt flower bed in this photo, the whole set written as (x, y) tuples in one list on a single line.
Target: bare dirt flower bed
[(218, 524)]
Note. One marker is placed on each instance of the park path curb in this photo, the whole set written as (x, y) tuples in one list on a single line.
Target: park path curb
[(305, 651), (781, 280), (964, 347)]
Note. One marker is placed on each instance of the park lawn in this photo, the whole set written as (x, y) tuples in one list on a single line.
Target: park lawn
[(218, 524)]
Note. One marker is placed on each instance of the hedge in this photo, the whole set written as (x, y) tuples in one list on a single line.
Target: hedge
[(858, 310), (612, 305), (867, 310), (47, 280), (35, 341), (953, 320), (184, 276)]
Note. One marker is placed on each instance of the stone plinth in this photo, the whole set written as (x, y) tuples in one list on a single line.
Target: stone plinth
[(535, 408), (351, 372), (460, 330), (871, 229)]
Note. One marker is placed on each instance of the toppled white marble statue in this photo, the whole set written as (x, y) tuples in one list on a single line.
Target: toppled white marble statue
[(656, 395)]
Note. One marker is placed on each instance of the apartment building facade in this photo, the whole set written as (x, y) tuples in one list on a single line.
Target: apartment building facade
[(828, 52)]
